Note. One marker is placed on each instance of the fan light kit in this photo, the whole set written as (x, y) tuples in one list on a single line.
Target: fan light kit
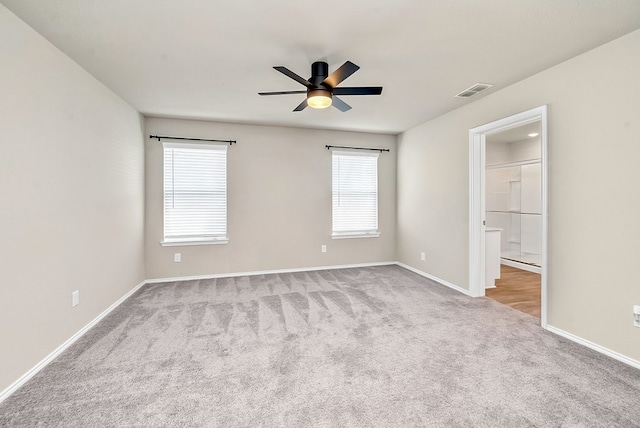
[(319, 98), (322, 88)]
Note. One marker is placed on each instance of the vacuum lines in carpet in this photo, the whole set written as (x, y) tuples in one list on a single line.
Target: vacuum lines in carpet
[(360, 347)]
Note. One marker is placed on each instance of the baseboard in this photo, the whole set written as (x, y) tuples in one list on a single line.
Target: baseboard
[(523, 266), (436, 279), (24, 378), (601, 349), (60, 349), (265, 272), (594, 346)]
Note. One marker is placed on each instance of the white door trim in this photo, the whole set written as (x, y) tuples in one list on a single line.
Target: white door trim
[(477, 146)]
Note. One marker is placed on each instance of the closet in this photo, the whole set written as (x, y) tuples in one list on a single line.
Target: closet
[(513, 189)]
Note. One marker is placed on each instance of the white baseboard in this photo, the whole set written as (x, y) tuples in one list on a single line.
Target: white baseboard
[(24, 378), (60, 349), (601, 349), (595, 347), (265, 272), (436, 279), (523, 266)]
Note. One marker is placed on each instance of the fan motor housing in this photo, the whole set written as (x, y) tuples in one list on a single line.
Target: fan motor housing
[(319, 72)]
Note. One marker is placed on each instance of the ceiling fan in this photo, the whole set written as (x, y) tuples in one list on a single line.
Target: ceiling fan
[(322, 88)]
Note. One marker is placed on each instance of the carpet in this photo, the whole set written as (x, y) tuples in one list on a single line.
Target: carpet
[(360, 347)]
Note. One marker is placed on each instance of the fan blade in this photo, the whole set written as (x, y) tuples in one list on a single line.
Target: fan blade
[(340, 105), (364, 90), (346, 70), (291, 74), (282, 93), (302, 106)]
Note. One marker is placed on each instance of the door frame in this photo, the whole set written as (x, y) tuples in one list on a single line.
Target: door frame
[(477, 164)]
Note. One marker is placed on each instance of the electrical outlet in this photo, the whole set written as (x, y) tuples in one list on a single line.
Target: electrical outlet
[(636, 315), (423, 257), (177, 257), (324, 248), (75, 298)]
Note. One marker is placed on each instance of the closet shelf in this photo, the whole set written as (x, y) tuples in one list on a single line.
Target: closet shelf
[(512, 212)]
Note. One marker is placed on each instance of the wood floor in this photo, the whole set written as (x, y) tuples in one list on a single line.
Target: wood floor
[(517, 288)]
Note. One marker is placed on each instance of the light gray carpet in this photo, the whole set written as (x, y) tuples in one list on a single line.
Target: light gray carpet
[(366, 347)]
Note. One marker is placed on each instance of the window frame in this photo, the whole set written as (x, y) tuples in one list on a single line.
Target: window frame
[(356, 233), (203, 239)]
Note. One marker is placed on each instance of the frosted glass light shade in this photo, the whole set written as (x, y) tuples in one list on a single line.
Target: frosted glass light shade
[(319, 99)]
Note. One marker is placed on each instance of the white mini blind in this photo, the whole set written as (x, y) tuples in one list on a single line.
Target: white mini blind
[(355, 193), (195, 192)]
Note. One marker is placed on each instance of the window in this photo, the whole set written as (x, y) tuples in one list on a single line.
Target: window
[(195, 194), (355, 194)]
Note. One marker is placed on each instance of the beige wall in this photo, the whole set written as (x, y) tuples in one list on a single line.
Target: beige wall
[(279, 201), (72, 172), (594, 150)]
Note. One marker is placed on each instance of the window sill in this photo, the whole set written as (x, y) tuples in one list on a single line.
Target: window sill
[(187, 242), (355, 235)]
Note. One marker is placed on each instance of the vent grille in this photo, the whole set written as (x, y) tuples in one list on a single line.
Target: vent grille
[(469, 92)]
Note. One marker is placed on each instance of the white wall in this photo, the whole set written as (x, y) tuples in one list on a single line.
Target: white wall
[(497, 152), (594, 128), (72, 171), (528, 149), (515, 151), (279, 201)]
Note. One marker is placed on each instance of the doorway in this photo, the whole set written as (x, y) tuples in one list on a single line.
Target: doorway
[(513, 212), (522, 217)]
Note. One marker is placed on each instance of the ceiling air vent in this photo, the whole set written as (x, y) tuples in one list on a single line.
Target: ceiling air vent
[(478, 87)]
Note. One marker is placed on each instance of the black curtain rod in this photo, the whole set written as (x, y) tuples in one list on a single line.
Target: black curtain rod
[(192, 139), (358, 148)]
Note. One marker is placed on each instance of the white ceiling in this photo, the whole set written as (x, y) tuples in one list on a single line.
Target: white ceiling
[(209, 59)]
